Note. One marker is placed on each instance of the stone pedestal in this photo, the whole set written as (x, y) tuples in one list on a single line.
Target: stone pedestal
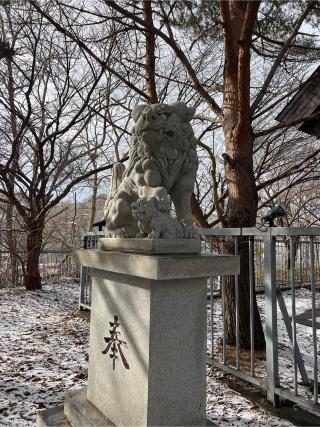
[(147, 361)]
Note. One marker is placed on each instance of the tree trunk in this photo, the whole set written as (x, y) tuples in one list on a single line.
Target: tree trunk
[(244, 304), (10, 226), (241, 212), (150, 55), (34, 243), (238, 19), (12, 243)]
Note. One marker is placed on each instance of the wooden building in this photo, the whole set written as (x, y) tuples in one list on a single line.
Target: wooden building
[(306, 102)]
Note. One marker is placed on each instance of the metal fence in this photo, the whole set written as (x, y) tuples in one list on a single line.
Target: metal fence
[(284, 265), (53, 266), (288, 369), (89, 240), (214, 243), (57, 266)]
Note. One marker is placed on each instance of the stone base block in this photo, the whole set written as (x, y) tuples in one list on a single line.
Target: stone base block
[(76, 412), (52, 417), (151, 246), (159, 377), (82, 413)]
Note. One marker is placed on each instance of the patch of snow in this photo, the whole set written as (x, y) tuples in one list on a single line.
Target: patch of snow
[(44, 353), (304, 340), (226, 407), (43, 350)]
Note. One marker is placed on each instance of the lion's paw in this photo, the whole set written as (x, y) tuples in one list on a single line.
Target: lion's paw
[(190, 232), (141, 235), (121, 233)]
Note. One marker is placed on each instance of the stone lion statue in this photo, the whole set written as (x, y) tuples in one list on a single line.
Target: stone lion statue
[(162, 162), (154, 221)]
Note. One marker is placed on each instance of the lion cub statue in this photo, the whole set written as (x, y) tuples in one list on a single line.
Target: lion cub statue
[(154, 220), (162, 166)]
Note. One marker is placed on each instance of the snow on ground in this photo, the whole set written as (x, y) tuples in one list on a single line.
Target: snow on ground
[(226, 407), (43, 350), (304, 340), (44, 353)]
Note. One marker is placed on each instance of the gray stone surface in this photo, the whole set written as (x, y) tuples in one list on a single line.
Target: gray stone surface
[(55, 417), (150, 312), (151, 246), (158, 267), (163, 323), (155, 221), (82, 413), (52, 417), (162, 167)]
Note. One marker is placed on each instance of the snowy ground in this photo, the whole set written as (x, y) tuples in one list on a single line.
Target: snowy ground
[(44, 353), (304, 340), (43, 350)]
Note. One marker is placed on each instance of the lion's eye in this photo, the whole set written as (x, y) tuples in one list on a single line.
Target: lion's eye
[(164, 116)]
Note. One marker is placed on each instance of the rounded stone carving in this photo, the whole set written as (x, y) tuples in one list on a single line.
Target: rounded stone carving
[(162, 168)]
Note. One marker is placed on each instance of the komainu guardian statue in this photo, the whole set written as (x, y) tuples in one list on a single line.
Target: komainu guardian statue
[(162, 168)]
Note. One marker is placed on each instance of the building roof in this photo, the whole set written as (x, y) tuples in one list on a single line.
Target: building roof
[(306, 102)]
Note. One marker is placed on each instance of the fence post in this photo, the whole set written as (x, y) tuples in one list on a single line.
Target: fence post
[(271, 333), (83, 273)]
